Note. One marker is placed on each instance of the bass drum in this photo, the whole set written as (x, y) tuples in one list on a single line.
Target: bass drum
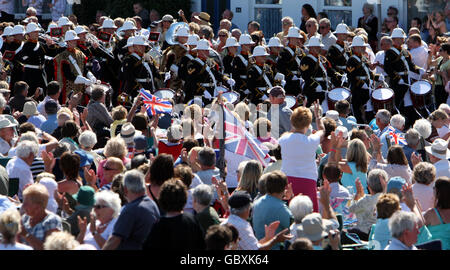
[(383, 98), (165, 93), (421, 94), (338, 94), (232, 97)]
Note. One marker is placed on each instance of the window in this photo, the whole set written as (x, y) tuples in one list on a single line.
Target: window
[(338, 11), (268, 14), (421, 9)]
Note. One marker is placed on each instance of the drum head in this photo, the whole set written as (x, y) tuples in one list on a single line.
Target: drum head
[(339, 94), (165, 93), (382, 94), (231, 96), (220, 89), (290, 101), (421, 87)]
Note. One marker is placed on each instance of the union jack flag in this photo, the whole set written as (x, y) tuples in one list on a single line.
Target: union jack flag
[(239, 141), (153, 104), (396, 137)]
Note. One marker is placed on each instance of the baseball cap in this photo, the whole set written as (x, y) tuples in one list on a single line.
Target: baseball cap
[(140, 142), (396, 182), (239, 199)]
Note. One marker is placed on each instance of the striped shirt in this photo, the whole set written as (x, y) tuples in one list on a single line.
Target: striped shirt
[(37, 167)]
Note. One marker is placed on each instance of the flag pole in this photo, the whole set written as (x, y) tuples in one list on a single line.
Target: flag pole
[(221, 161)]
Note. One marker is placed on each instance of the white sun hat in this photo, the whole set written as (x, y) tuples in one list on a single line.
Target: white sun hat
[(314, 42), (275, 42), (358, 41), (193, 40), (259, 51), (246, 39), (71, 35), (294, 32), (341, 29), (108, 23), (231, 42), (398, 33)]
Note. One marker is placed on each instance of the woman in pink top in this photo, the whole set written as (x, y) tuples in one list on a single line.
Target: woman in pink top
[(261, 129), (424, 175), (299, 153), (115, 147)]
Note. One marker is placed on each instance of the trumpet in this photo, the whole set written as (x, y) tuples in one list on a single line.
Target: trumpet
[(58, 41), (94, 40)]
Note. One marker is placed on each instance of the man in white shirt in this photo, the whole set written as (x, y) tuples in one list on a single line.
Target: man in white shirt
[(19, 166), (326, 37), (439, 155), (385, 44), (404, 228), (419, 53), (240, 206)]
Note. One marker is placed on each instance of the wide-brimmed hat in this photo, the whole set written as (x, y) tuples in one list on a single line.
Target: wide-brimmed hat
[(80, 30), (439, 149), (130, 41), (128, 132), (128, 25), (85, 196), (294, 32), (5, 122), (259, 51), (71, 35), (140, 40), (231, 42), (314, 227), (358, 41), (108, 23), (398, 33), (7, 31), (275, 42), (32, 27), (18, 30), (193, 40), (202, 44), (30, 108), (314, 42), (182, 32), (64, 21), (246, 39), (341, 29), (203, 16), (167, 18)]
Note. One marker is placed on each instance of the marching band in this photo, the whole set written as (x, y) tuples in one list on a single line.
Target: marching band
[(126, 60)]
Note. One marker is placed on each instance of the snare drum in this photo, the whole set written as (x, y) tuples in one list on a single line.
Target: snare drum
[(232, 97), (421, 94), (291, 101), (383, 98), (165, 93), (336, 95)]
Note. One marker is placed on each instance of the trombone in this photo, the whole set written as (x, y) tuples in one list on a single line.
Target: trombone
[(94, 40)]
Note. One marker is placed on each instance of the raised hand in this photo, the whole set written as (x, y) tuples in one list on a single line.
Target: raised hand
[(359, 189), (325, 191), (49, 161), (288, 193), (90, 177), (408, 196), (416, 159), (82, 224), (376, 142), (271, 229)]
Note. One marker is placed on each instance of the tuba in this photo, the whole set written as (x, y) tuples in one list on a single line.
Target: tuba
[(170, 34)]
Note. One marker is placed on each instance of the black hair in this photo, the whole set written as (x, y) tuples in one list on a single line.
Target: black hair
[(310, 10), (53, 88)]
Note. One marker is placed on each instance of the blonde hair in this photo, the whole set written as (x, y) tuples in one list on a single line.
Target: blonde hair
[(243, 111), (194, 28), (250, 176), (193, 112), (116, 147), (438, 115), (60, 241), (116, 162), (301, 118), (357, 153), (37, 194), (44, 175), (119, 113), (10, 225)]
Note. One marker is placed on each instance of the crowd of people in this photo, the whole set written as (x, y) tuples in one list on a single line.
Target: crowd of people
[(354, 124)]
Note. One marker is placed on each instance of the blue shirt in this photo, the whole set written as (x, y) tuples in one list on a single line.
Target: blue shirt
[(347, 123), (349, 179), (408, 153), (37, 120), (266, 210), (50, 125), (135, 223)]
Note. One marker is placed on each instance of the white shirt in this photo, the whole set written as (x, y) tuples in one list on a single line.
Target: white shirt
[(299, 155), (89, 238), (444, 130), (17, 168), (233, 161), (248, 239), (41, 106), (328, 40), (419, 56), (442, 168), (16, 246), (4, 147), (379, 57), (424, 194)]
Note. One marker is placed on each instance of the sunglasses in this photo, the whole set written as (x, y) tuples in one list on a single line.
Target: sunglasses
[(308, 25), (98, 206), (222, 35), (323, 27), (108, 169)]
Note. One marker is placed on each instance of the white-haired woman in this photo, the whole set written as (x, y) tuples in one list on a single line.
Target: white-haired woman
[(61, 241), (107, 208), (10, 227), (87, 141)]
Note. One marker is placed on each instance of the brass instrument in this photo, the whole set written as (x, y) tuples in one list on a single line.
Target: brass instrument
[(94, 40)]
